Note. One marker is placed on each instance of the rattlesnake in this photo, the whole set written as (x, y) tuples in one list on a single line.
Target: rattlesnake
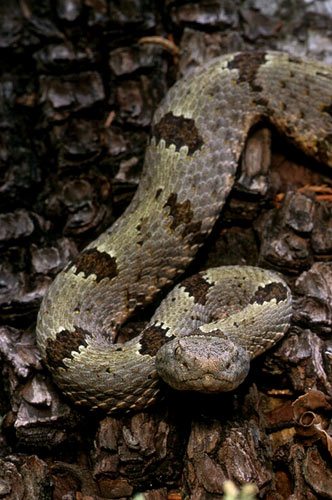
[(205, 332)]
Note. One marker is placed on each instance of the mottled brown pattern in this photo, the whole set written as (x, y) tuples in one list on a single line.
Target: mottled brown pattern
[(247, 64), (197, 287), (94, 262), (179, 131), (152, 339), (62, 347), (181, 212), (268, 292)]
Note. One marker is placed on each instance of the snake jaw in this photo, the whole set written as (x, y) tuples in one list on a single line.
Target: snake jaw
[(195, 363)]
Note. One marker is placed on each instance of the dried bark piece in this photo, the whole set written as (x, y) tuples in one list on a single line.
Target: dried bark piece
[(222, 449), (302, 353), (63, 56), (318, 473), (126, 60), (282, 231), (64, 95), (38, 416), (51, 259), (205, 13), (132, 14), (137, 99), (321, 238), (20, 352), (79, 142), (140, 452), (24, 477), (73, 481), (313, 306), (15, 225)]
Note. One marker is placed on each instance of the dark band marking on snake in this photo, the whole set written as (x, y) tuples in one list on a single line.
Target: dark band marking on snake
[(205, 332)]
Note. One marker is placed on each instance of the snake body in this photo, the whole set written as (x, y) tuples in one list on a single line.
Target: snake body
[(204, 334)]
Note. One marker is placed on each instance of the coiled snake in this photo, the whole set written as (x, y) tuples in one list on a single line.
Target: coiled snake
[(205, 332)]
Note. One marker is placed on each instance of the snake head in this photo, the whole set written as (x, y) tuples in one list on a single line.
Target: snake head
[(202, 363)]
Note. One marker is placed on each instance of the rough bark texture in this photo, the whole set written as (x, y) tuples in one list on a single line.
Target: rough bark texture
[(78, 90)]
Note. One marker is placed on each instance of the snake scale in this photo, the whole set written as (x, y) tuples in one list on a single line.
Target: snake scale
[(205, 332)]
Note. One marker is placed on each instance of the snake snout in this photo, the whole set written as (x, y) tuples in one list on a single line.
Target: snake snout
[(202, 363)]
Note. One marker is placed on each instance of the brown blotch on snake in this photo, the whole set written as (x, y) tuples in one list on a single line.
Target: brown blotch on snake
[(62, 347), (247, 65), (153, 338), (98, 263), (179, 131), (180, 212), (197, 287), (268, 292)]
